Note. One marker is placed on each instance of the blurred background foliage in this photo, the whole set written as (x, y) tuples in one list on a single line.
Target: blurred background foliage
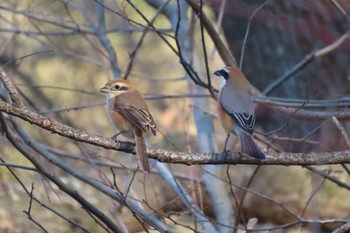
[(67, 65)]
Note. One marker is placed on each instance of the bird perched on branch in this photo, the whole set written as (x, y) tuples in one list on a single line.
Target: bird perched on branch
[(129, 113), (236, 111)]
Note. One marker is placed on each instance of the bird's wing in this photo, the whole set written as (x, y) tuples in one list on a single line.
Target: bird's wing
[(245, 120), (140, 118), (241, 113)]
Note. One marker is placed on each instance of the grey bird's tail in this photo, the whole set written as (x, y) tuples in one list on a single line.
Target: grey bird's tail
[(141, 152), (249, 146)]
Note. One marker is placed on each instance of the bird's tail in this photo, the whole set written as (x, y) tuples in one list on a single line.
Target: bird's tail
[(141, 152), (249, 146)]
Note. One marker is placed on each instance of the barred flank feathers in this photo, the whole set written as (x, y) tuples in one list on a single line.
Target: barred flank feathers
[(141, 152), (249, 147)]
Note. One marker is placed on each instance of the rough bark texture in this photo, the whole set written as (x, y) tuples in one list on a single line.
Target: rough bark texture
[(282, 158)]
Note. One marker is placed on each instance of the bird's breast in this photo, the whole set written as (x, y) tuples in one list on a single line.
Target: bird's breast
[(119, 121), (225, 119)]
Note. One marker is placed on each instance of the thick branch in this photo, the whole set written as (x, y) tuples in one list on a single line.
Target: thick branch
[(53, 159), (284, 158), (224, 52)]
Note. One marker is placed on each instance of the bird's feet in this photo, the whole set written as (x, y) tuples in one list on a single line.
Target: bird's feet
[(226, 152), (115, 136)]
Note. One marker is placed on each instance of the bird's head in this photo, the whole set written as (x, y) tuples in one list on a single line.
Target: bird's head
[(116, 87), (231, 75), (224, 75)]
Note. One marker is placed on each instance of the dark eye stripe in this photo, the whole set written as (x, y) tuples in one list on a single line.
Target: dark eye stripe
[(224, 74), (120, 87), (123, 88)]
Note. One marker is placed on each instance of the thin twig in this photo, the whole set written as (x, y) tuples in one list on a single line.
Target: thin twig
[(247, 186), (247, 33), (18, 166), (105, 42), (342, 102), (342, 132), (41, 203), (144, 33), (307, 60), (341, 9), (28, 212), (314, 192), (238, 206), (223, 51), (329, 177), (205, 50)]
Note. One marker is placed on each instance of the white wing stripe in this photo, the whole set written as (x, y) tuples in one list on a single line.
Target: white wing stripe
[(246, 121)]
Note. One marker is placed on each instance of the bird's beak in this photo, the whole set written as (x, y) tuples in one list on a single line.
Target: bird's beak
[(104, 90), (217, 73)]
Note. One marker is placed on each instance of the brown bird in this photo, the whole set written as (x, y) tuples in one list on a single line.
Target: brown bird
[(129, 113), (236, 110)]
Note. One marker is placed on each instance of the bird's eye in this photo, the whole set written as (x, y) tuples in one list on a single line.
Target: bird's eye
[(117, 86)]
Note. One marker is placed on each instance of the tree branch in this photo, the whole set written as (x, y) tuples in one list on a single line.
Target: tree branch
[(105, 42), (343, 229), (283, 158), (307, 60), (26, 151), (224, 52)]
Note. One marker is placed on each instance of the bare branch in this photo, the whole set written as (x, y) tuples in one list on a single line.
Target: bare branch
[(26, 151), (137, 47), (224, 52), (37, 200), (312, 115), (8, 165), (100, 32), (247, 33), (307, 60), (343, 229), (342, 102), (283, 158), (340, 9), (10, 88), (342, 131), (74, 172), (329, 177), (185, 197), (29, 211)]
